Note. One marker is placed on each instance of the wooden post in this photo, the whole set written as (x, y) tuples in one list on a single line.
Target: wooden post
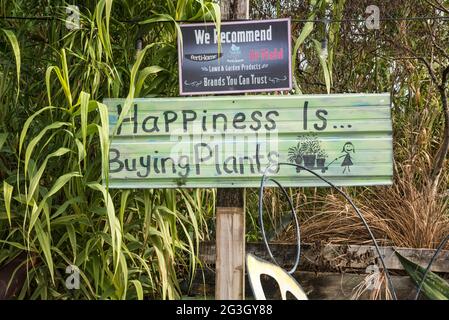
[(230, 213), (230, 247)]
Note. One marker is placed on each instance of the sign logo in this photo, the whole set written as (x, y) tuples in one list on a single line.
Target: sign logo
[(200, 57), (234, 54)]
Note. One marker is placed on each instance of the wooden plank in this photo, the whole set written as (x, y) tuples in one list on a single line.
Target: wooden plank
[(318, 286), (337, 257), (185, 115), (230, 258), (230, 182), (230, 217), (251, 170), (229, 141), (371, 150)]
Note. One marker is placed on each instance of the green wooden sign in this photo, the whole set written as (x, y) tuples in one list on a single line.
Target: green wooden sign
[(229, 141)]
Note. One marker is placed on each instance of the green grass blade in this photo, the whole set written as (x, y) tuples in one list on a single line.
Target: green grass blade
[(305, 32), (103, 132), (35, 179), (59, 183), (27, 124), (16, 49), (138, 285), (84, 107), (114, 224), (29, 150), (44, 241), (3, 137), (143, 75), (132, 86), (7, 193), (123, 200), (324, 65), (65, 81)]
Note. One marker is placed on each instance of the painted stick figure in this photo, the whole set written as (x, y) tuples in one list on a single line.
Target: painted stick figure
[(347, 161)]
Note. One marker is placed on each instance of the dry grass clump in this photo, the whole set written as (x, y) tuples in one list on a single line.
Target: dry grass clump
[(406, 214), (373, 287)]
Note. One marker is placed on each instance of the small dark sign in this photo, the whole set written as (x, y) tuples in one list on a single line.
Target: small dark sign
[(254, 56)]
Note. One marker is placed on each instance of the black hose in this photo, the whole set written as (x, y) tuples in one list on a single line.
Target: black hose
[(295, 218), (264, 179)]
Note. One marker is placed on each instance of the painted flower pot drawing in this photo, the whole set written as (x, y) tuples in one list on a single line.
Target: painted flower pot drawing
[(320, 162), (308, 153), (309, 160)]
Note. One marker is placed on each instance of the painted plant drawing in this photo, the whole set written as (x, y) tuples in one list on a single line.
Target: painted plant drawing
[(308, 153), (347, 162)]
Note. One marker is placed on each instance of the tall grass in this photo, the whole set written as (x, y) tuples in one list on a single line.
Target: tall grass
[(126, 244)]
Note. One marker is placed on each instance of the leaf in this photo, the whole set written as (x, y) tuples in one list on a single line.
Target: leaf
[(7, 193), (17, 245), (27, 125), (103, 132), (103, 30), (162, 268), (16, 49), (324, 65), (66, 81), (3, 137), (434, 287), (59, 183), (29, 150), (63, 76), (123, 199), (44, 241), (114, 224), (72, 238), (34, 181), (62, 208), (132, 86), (305, 32), (48, 78), (84, 107), (143, 75), (139, 289), (81, 151)]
